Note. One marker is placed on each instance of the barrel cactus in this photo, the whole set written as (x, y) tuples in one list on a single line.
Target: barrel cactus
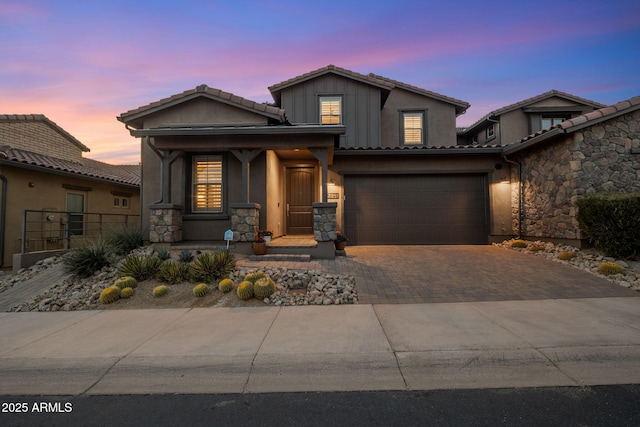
[(200, 290), (254, 276), (159, 291), (566, 256), (608, 268), (518, 243), (126, 292), (126, 282), (225, 285), (109, 295), (264, 288), (245, 290)]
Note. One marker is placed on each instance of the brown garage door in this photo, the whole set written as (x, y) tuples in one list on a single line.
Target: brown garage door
[(416, 209)]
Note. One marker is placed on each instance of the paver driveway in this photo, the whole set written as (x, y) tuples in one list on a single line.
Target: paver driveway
[(428, 274)]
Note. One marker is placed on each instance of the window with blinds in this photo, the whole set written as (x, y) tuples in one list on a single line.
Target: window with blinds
[(413, 128), (207, 184), (330, 110)]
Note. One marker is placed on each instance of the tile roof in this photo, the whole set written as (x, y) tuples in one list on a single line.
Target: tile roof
[(569, 126), (454, 149), (203, 90), (12, 118), (462, 106), (532, 100), (369, 79), (121, 174)]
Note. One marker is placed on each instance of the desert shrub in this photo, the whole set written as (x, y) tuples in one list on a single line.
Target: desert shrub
[(611, 222), (245, 290), (126, 293), (518, 243), (85, 260), (109, 295), (159, 291), (125, 282), (536, 247), (163, 253), (125, 238), (225, 285), (608, 268), (200, 290), (185, 256), (174, 272), (566, 256), (140, 267), (211, 267)]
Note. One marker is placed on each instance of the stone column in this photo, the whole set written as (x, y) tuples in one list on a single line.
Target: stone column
[(165, 223), (324, 221), (245, 221)]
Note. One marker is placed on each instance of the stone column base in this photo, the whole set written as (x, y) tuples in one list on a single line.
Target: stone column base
[(165, 223)]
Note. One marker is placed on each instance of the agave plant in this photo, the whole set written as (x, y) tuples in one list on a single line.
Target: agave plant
[(85, 260), (211, 267), (140, 267), (174, 272)]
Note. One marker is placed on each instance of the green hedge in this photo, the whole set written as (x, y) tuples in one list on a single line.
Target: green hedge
[(611, 222)]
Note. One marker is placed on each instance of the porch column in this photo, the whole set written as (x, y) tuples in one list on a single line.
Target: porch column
[(324, 221), (322, 155), (165, 170), (245, 221), (246, 156), (165, 223)]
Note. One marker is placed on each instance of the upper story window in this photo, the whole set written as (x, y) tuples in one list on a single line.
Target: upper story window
[(330, 110), (491, 132), (413, 129), (207, 184), (548, 121), (121, 202)]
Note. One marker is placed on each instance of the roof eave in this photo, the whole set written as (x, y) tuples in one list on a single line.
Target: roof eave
[(420, 151), (519, 146), (262, 130)]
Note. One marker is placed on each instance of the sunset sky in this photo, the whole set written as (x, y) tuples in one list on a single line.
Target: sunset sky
[(82, 63)]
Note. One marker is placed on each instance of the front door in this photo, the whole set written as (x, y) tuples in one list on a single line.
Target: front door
[(75, 205), (299, 200)]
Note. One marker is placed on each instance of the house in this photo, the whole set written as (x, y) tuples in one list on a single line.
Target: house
[(379, 159), (42, 169)]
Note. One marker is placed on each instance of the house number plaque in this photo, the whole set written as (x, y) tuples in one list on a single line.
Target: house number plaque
[(333, 195)]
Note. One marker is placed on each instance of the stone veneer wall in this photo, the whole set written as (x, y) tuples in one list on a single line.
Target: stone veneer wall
[(245, 221), (324, 221), (597, 159), (165, 224)]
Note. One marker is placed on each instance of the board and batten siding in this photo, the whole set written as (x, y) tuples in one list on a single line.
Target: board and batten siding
[(360, 107)]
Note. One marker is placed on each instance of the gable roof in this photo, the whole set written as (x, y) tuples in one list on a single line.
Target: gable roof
[(546, 95), (26, 118), (580, 122), (461, 106), (131, 116), (121, 174)]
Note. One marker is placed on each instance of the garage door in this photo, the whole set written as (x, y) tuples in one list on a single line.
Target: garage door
[(416, 209)]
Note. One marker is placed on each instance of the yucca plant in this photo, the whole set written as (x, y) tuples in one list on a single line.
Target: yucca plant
[(85, 260), (125, 238), (140, 267), (211, 267), (174, 272)]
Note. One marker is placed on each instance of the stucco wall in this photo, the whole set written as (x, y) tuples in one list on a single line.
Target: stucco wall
[(592, 160)]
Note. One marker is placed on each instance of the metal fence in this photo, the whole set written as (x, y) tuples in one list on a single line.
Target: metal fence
[(45, 230)]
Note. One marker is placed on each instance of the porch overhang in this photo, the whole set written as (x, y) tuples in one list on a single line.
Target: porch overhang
[(205, 130)]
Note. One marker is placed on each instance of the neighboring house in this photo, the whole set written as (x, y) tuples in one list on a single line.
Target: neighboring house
[(515, 121), (42, 168), (375, 158)]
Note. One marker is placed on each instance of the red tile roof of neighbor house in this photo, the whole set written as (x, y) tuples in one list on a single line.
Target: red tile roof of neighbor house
[(532, 100), (121, 174), (13, 118), (203, 90), (571, 125)]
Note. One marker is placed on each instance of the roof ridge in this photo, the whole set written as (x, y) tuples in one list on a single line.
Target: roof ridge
[(327, 68)]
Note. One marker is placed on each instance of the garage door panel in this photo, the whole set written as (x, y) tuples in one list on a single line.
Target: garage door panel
[(416, 209)]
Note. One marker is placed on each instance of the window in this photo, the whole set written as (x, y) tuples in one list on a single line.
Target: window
[(330, 110), (75, 207), (207, 184), (491, 132), (413, 127), (121, 202), (548, 121)]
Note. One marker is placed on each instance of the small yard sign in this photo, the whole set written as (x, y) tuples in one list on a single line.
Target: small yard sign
[(228, 236)]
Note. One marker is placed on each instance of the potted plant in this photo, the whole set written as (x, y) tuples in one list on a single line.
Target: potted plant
[(267, 234), (341, 241), (259, 245)]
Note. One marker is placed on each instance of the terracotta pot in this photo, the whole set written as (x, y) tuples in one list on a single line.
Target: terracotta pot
[(259, 248), (340, 245)]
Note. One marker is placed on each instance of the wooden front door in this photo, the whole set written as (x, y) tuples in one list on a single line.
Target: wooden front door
[(299, 200)]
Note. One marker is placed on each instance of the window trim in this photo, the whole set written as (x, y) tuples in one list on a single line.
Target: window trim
[(423, 136), (223, 184), (490, 132), (328, 98)]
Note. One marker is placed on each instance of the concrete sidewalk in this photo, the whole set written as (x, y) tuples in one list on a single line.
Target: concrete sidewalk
[(570, 342)]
